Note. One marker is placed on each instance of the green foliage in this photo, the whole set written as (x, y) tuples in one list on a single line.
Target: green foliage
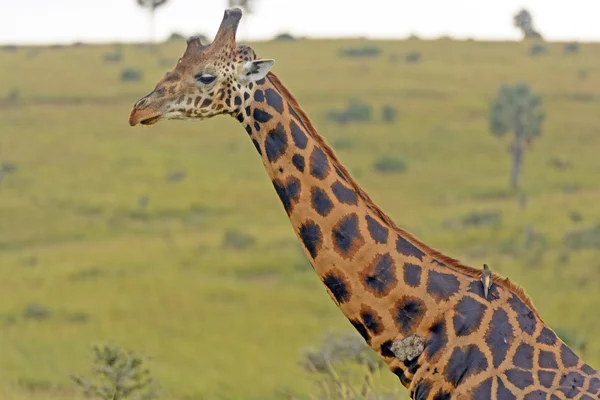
[(571, 48), (476, 219), (131, 75), (365, 51), (237, 240), (389, 114), (585, 238), (413, 57), (516, 109), (345, 368), (390, 164), (356, 110), (176, 37), (112, 57), (35, 312), (284, 37), (538, 49), (117, 375)]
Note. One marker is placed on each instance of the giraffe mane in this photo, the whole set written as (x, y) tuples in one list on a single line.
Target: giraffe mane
[(450, 262)]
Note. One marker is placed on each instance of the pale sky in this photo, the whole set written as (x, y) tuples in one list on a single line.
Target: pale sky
[(66, 21)]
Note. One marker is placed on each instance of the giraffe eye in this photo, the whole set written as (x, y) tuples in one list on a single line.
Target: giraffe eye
[(205, 78)]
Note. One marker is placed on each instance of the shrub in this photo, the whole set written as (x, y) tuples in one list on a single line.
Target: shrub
[(176, 176), (13, 95), (8, 167), (389, 114), (176, 37), (586, 238), (131, 75), (476, 219), (355, 111), (575, 216), (527, 244), (571, 48), (360, 52), (237, 240), (560, 163), (9, 48), (344, 367), (537, 49), (390, 164), (117, 375), (35, 312), (112, 57), (413, 57), (287, 37)]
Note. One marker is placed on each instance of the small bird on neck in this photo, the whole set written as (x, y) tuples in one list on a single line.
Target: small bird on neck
[(486, 279)]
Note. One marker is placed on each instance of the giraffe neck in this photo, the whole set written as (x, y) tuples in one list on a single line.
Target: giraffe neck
[(371, 269)]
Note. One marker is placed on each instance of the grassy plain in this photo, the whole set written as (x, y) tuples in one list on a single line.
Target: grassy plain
[(99, 240)]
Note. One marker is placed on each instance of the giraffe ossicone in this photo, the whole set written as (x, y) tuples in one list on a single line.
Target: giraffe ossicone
[(481, 338)]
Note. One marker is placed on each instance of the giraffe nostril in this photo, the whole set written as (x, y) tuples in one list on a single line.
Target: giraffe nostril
[(141, 103)]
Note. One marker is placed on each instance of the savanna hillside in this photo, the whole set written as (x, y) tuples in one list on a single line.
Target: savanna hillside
[(171, 241)]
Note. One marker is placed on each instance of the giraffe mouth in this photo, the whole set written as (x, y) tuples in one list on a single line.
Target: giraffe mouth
[(143, 116), (151, 120)]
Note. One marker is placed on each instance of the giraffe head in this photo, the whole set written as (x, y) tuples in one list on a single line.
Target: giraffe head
[(208, 80)]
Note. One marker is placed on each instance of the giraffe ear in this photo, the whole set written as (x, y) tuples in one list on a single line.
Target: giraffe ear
[(256, 70)]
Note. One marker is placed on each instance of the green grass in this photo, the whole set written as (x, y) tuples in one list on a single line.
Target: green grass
[(220, 323)]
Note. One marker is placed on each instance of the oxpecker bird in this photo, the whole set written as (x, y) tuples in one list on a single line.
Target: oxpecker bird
[(486, 279)]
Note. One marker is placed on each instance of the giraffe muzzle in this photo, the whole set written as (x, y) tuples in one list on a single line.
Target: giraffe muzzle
[(143, 116)]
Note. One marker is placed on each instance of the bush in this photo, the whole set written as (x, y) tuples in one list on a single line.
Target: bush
[(35, 312), (287, 37), (571, 48), (237, 240), (537, 49), (587, 238), (117, 375), (176, 37), (112, 57), (176, 176), (344, 367), (389, 114), (9, 48), (390, 164), (13, 95), (361, 52), (355, 111), (476, 219), (413, 57), (131, 75)]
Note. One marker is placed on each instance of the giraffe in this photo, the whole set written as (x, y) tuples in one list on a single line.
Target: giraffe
[(394, 289)]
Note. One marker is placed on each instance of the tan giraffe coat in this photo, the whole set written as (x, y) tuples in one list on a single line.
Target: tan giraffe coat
[(387, 283)]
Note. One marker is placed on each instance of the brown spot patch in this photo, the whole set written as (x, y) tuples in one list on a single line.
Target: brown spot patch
[(346, 236), (379, 277)]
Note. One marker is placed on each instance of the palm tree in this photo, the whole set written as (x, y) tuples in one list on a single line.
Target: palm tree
[(519, 111)]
